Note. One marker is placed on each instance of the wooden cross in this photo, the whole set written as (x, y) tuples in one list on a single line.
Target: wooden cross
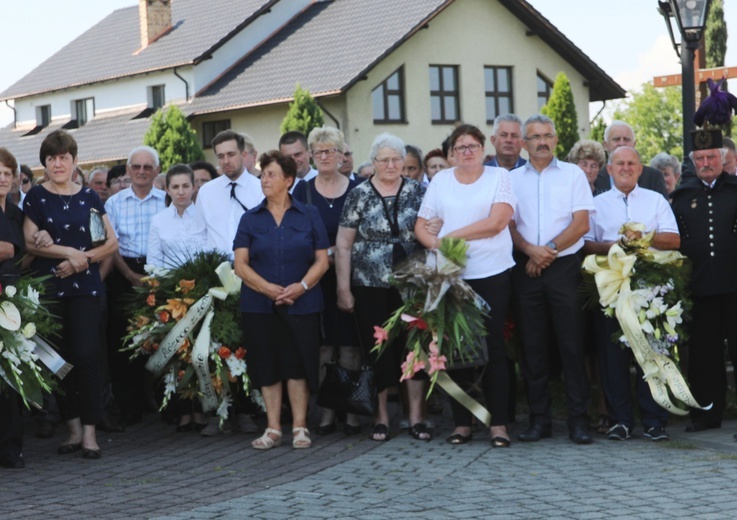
[(701, 74)]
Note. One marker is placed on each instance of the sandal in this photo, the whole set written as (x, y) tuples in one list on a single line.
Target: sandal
[(500, 442), (380, 429), (301, 438), (459, 438), (419, 432), (265, 442)]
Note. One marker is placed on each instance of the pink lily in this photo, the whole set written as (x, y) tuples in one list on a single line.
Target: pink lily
[(437, 362), (411, 366), (380, 335)]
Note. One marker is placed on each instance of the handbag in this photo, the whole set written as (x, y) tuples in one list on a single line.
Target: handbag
[(98, 233), (478, 356), (347, 390)]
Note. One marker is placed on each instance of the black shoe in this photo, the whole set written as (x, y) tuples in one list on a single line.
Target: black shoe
[(12, 462), (459, 438), (500, 442), (657, 433), (579, 435), (352, 429), (90, 454), (536, 432), (698, 426), (66, 449), (187, 427), (326, 429), (618, 432), (44, 430)]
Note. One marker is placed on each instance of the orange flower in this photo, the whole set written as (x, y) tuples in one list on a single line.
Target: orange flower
[(184, 346), (224, 353), (153, 282), (164, 317), (155, 347), (217, 384), (141, 321), (240, 353), (186, 285), (178, 307), (151, 300)]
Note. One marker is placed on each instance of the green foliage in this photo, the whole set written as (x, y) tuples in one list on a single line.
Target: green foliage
[(596, 133), (715, 36), (304, 113), (562, 110), (173, 137), (656, 115)]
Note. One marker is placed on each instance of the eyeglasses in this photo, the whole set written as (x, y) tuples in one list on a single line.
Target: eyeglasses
[(148, 168), (473, 148), (25, 180), (389, 160), (347, 154), (328, 152), (117, 181), (538, 137)]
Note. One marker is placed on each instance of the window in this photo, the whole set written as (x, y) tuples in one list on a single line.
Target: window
[(211, 128), (544, 87), (388, 99), (498, 86), (83, 110), (43, 115), (444, 97), (156, 97)]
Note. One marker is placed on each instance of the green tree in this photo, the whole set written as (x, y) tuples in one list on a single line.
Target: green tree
[(304, 113), (715, 36), (656, 115), (562, 110), (598, 127), (173, 137)]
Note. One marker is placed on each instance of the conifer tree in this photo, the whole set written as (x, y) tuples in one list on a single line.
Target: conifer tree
[(562, 110), (304, 114), (173, 137)]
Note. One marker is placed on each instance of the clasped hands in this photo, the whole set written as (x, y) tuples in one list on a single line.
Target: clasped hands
[(540, 258), (283, 295)]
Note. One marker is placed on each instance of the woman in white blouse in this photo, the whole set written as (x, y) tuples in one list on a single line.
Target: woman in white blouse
[(175, 234), (175, 238), (476, 202)]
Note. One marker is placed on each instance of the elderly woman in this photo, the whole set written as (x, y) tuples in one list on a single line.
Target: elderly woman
[(327, 192), (476, 203), (281, 254), (590, 157), (377, 231), (434, 162), (65, 210), (670, 167)]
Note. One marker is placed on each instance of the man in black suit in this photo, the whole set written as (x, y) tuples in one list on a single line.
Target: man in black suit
[(617, 134)]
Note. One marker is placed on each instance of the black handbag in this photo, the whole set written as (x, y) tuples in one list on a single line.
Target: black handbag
[(346, 390), (473, 357)]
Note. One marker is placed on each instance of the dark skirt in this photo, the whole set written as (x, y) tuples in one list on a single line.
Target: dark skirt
[(338, 327), (282, 346)]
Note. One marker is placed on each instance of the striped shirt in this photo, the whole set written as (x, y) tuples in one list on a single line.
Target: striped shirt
[(131, 219)]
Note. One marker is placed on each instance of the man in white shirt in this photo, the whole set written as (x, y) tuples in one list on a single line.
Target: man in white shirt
[(507, 141), (130, 212), (294, 144), (627, 202), (222, 201), (553, 204)]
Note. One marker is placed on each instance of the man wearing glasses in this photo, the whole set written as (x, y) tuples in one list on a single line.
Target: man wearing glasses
[(130, 212), (552, 215)]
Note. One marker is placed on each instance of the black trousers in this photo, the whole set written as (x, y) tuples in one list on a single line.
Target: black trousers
[(79, 344), (495, 380), (614, 370), (714, 318), (548, 306), (11, 427)]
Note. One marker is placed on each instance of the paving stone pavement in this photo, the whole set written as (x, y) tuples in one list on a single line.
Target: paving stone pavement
[(152, 472)]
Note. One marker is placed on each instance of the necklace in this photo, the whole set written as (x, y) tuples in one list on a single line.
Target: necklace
[(328, 201), (66, 203)]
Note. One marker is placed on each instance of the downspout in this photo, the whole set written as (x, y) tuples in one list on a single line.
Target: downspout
[(331, 116), (15, 114), (186, 85), (603, 106)]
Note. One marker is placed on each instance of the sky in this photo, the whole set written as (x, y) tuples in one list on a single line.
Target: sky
[(630, 43)]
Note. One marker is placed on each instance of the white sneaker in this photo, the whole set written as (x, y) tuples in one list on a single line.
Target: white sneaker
[(213, 428), (246, 424)]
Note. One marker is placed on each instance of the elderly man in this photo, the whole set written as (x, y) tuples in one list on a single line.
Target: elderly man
[(130, 212), (730, 157), (554, 200), (507, 141), (294, 144), (619, 134), (706, 212), (627, 202), (98, 182), (346, 166)]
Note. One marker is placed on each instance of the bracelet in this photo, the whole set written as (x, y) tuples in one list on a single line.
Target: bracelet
[(304, 284)]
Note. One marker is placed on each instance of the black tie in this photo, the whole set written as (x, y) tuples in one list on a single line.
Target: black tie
[(232, 196)]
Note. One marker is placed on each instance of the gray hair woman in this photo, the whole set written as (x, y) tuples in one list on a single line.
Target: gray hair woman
[(670, 167), (590, 157)]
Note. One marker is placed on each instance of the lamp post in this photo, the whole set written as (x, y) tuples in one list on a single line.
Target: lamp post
[(690, 17)]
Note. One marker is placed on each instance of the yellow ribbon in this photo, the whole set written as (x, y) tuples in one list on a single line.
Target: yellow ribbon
[(612, 274)]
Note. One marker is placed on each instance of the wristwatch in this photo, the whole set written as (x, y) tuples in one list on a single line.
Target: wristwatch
[(552, 245)]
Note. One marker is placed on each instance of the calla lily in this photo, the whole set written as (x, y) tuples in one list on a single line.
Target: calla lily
[(9, 315)]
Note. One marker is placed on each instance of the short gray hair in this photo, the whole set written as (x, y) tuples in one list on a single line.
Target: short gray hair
[(143, 148), (537, 118), (506, 118), (327, 134), (95, 171), (387, 140), (722, 152), (614, 123), (664, 160), (620, 149)]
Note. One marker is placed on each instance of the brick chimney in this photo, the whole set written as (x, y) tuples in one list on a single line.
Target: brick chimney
[(155, 18)]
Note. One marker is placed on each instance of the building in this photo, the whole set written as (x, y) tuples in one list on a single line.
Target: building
[(410, 68)]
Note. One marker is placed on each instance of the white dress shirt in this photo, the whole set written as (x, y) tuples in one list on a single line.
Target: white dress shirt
[(175, 239), (613, 208), (221, 214), (547, 200)]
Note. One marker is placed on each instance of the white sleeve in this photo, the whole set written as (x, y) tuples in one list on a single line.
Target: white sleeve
[(504, 192), (582, 197), (155, 254), (665, 217), (429, 207)]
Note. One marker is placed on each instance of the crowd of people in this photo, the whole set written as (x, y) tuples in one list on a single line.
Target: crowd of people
[(315, 248)]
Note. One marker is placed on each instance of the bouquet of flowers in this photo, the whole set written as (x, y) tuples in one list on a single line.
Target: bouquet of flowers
[(23, 318), (186, 320), (645, 290), (442, 315)]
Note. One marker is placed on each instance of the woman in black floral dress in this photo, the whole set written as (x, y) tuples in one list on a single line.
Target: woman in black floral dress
[(377, 231)]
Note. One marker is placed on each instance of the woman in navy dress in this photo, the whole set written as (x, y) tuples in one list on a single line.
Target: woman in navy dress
[(63, 209)]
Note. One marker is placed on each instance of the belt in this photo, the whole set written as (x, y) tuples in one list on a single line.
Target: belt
[(139, 260)]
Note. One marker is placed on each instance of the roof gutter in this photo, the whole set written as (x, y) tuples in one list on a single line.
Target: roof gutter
[(186, 85), (15, 114)]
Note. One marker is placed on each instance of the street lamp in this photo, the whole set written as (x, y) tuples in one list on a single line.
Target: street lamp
[(690, 17)]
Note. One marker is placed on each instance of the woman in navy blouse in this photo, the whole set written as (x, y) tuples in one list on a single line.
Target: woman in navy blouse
[(281, 254), (62, 208)]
